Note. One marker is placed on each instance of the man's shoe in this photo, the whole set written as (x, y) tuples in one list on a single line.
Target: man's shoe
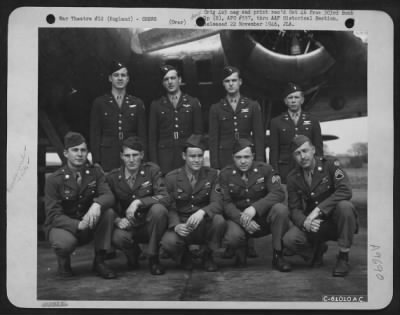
[(209, 263), (320, 250), (279, 263), (102, 270), (64, 267), (342, 265), (241, 257), (186, 261), (155, 267)]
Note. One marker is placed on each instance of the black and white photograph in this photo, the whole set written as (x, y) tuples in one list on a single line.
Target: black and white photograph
[(224, 161)]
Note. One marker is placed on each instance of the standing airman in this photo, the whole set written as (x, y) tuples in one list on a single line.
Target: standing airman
[(114, 117), (173, 118)]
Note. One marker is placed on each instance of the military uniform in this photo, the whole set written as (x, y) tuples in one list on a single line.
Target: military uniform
[(151, 218), (66, 204), (169, 129), (187, 200), (111, 124), (282, 131), (226, 126), (330, 191), (262, 191)]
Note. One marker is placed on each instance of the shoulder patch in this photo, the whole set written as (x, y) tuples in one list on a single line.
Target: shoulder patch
[(276, 179), (339, 174)]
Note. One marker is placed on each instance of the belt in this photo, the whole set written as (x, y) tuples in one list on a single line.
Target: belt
[(176, 135)]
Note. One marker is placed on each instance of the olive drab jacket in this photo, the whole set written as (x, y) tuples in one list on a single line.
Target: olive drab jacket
[(227, 125), (330, 185), (66, 202), (262, 190), (169, 128), (110, 125), (187, 200), (149, 188)]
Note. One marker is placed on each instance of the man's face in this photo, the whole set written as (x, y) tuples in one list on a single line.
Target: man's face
[(304, 155), (243, 159), (76, 156), (194, 158), (132, 158), (294, 101), (119, 79), (171, 82), (232, 83)]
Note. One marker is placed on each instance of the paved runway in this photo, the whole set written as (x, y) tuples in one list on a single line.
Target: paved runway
[(257, 282)]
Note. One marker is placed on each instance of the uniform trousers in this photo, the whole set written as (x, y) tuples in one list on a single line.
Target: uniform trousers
[(209, 232), (64, 242), (341, 226), (170, 156), (275, 222), (149, 232)]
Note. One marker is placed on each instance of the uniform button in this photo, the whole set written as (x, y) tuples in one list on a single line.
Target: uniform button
[(176, 111), (176, 126), (296, 128), (133, 196), (120, 115), (247, 200), (235, 123), (192, 196), (176, 118), (81, 196), (247, 190), (312, 194), (316, 202), (234, 117), (192, 206), (119, 121), (79, 206), (236, 129), (119, 128)]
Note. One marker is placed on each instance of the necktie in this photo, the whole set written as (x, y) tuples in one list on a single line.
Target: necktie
[(193, 181), (295, 118), (244, 177), (131, 181), (78, 178), (308, 177)]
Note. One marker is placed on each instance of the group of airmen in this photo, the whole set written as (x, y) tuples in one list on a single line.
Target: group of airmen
[(147, 183)]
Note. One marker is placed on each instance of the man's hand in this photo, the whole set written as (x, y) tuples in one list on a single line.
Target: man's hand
[(252, 227), (310, 218), (123, 224), (130, 212), (314, 214), (315, 225), (182, 229), (246, 216), (195, 219), (83, 225), (312, 226), (93, 215)]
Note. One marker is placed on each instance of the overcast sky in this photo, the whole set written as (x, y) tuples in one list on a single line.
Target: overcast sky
[(349, 131)]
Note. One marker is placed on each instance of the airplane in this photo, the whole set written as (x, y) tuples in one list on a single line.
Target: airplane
[(73, 65)]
